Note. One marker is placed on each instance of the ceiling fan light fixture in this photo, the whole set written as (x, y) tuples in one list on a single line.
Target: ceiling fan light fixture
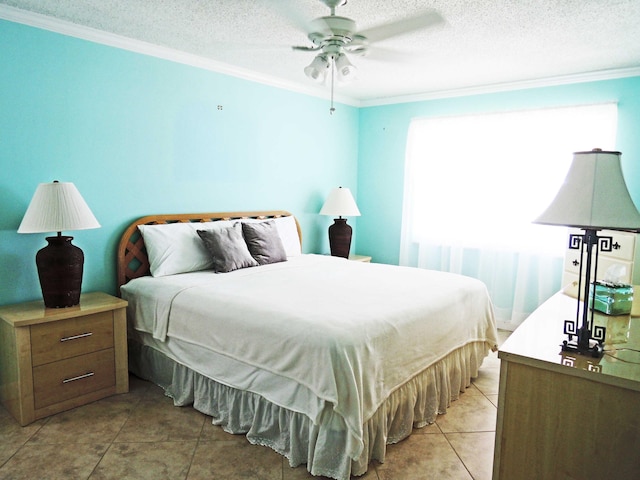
[(317, 69), (346, 71), (337, 36)]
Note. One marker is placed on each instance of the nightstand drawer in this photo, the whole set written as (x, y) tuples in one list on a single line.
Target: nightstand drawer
[(55, 341), (59, 381)]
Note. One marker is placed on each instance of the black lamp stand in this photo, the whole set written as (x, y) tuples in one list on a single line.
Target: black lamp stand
[(60, 266), (340, 238), (587, 339)]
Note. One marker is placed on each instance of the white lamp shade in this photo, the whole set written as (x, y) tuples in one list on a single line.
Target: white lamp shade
[(57, 207), (594, 195), (340, 203)]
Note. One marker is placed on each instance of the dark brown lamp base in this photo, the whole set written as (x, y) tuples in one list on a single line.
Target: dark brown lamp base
[(340, 238), (60, 266)]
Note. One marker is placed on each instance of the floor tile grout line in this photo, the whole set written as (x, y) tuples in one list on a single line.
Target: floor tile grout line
[(100, 460), (195, 448), (27, 440), (446, 436), (113, 440), (458, 455)]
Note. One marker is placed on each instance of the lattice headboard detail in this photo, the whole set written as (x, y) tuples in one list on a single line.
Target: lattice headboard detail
[(133, 261)]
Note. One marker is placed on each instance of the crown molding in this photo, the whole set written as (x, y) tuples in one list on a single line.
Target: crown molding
[(63, 27), (70, 29), (505, 87)]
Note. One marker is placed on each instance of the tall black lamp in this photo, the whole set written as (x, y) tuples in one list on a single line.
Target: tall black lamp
[(594, 197), (340, 203), (55, 207)]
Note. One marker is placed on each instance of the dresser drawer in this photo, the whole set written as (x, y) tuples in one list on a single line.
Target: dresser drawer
[(619, 260), (622, 245), (55, 341), (70, 378), (622, 267)]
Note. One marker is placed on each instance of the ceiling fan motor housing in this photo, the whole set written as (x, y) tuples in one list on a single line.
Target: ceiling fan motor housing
[(338, 29)]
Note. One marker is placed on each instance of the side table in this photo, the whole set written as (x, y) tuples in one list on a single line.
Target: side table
[(360, 258), (55, 359)]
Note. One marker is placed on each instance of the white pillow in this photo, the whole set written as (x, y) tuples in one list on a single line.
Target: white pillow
[(176, 247), (289, 235)]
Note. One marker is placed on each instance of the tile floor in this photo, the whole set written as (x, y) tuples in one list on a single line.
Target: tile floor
[(141, 435)]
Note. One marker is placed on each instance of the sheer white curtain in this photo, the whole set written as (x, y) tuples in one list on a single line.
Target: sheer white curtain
[(473, 184)]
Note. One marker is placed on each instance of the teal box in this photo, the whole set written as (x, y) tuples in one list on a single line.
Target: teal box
[(612, 298)]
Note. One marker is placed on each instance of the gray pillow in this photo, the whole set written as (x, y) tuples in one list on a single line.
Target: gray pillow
[(264, 242), (227, 248)]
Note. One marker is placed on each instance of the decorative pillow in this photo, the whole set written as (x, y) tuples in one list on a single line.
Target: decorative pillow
[(288, 231), (227, 248), (264, 242), (175, 248)]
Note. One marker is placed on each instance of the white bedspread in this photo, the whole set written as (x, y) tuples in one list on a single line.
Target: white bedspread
[(349, 332)]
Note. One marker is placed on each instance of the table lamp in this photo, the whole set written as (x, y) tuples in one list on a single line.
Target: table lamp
[(593, 197), (55, 207), (340, 203)]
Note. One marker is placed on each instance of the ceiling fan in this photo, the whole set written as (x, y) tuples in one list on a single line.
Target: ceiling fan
[(334, 37)]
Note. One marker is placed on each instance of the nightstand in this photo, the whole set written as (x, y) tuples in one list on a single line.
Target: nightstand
[(55, 359), (360, 258)]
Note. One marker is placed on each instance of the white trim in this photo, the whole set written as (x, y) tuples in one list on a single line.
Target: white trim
[(63, 27), (70, 29), (505, 87)]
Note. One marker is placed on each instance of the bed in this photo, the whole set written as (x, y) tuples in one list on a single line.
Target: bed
[(322, 359)]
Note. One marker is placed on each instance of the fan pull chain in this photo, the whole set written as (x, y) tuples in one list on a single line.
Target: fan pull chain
[(333, 71)]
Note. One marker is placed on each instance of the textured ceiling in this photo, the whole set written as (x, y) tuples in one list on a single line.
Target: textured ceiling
[(480, 43)]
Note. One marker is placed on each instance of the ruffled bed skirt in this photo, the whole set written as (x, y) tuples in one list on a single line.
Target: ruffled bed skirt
[(325, 448)]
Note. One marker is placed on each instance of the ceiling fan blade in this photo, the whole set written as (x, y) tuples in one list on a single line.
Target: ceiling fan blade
[(425, 19), (378, 54)]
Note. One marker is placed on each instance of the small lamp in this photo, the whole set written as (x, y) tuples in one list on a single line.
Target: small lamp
[(55, 207), (593, 197), (340, 203)]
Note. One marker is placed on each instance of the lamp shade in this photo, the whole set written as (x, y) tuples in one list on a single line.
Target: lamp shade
[(57, 207), (340, 203), (594, 195)]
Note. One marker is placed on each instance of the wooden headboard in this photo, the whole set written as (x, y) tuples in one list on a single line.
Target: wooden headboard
[(133, 261)]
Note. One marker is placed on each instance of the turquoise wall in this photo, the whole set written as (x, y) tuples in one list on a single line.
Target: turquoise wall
[(383, 136), (141, 135)]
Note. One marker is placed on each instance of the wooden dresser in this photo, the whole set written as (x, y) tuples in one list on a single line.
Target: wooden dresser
[(56, 359), (563, 415)]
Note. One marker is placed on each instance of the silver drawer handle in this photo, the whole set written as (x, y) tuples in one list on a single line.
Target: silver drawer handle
[(75, 337), (79, 377)]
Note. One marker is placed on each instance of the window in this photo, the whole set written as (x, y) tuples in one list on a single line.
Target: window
[(474, 184)]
